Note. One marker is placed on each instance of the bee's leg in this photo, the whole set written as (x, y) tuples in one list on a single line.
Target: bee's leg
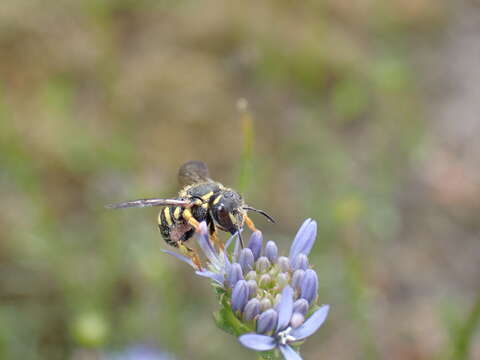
[(213, 236), (187, 215), (250, 223), (192, 254)]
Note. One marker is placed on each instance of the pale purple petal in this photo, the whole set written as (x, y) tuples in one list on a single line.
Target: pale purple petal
[(205, 244), (309, 286), (235, 274), (239, 295), (311, 324), (267, 321), (255, 244), (271, 251), (285, 308), (180, 257), (288, 353), (300, 262), (257, 342), (219, 278), (304, 239), (246, 260)]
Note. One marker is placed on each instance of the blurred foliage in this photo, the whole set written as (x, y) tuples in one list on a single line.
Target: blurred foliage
[(101, 101)]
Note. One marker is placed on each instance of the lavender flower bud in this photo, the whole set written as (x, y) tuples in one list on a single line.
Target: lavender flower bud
[(309, 286), (252, 288), (282, 280), (267, 321), (262, 264), (235, 274), (239, 295), (300, 306), (255, 243), (297, 320), (264, 281), (283, 263), (271, 251), (265, 304), (246, 259), (300, 262), (297, 278), (251, 310), (251, 275)]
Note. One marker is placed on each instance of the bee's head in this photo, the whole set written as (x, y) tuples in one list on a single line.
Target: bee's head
[(228, 212)]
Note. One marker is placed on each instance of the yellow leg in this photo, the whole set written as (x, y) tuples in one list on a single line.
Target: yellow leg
[(187, 215), (191, 254), (250, 223), (215, 240)]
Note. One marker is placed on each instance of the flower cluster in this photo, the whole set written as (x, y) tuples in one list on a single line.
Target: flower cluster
[(267, 299)]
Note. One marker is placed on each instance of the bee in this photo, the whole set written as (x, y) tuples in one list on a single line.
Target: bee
[(200, 199)]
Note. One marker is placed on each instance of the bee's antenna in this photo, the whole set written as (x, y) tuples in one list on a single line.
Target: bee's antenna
[(260, 212)]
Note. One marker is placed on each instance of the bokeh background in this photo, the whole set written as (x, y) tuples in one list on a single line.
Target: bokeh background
[(365, 118)]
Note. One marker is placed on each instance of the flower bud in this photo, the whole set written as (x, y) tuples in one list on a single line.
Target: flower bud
[(271, 251), (297, 320), (262, 264), (267, 321), (255, 243), (309, 286), (283, 263), (252, 288), (265, 304), (282, 280), (300, 306), (300, 262), (264, 281), (251, 310), (251, 275), (235, 274), (239, 295), (297, 278), (246, 260)]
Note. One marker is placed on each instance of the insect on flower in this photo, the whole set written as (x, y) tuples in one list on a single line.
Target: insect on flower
[(200, 199)]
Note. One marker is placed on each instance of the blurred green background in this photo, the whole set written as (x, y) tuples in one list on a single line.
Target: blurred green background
[(365, 118)]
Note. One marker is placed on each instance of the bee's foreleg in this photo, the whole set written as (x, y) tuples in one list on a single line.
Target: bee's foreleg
[(214, 238)]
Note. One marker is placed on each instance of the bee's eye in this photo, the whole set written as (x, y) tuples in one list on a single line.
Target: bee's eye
[(223, 218)]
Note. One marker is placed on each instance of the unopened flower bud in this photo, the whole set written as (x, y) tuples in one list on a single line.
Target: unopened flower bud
[(252, 288), (283, 263), (264, 281), (246, 259), (265, 304), (300, 306), (300, 262), (282, 279), (251, 310), (309, 286), (297, 278), (267, 321), (271, 251), (235, 274), (262, 264), (297, 320), (239, 295), (251, 275), (255, 243)]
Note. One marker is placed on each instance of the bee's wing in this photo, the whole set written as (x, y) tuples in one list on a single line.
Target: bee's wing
[(193, 172), (148, 202)]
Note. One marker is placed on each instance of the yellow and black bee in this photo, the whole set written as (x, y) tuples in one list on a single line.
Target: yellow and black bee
[(200, 199)]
